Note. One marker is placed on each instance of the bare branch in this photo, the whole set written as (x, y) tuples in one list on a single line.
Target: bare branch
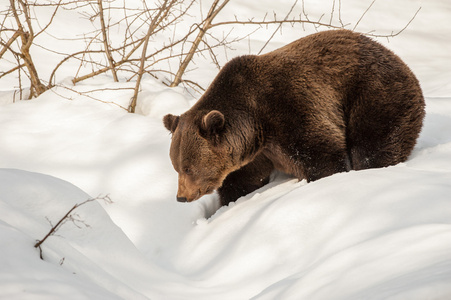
[(207, 25), (89, 96), (52, 75), (364, 13), (162, 13), (277, 29), (7, 45), (65, 218), (27, 37), (12, 70), (393, 34), (105, 42), (57, 6), (260, 23)]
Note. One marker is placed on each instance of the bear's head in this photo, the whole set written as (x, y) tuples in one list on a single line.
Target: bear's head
[(199, 153)]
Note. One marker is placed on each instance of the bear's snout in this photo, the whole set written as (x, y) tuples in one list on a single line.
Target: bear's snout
[(184, 195), (188, 190), (182, 199)]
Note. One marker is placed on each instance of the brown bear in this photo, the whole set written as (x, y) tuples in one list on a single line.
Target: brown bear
[(330, 102)]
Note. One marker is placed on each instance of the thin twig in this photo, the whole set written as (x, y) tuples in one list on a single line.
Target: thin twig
[(64, 219), (105, 41), (207, 25), (88, 96), (161, 15), (393, 34), (364, 13), (278, 27)]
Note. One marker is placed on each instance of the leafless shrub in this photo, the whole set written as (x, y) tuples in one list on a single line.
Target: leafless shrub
[(24, 34), (151, 40)]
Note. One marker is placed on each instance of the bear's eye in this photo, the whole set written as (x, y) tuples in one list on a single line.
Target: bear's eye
[(187, 171)]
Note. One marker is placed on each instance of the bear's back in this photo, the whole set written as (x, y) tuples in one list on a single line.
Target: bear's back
[(356, 91)]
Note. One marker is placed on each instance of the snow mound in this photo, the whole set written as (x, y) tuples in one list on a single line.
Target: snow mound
[(87, 258)]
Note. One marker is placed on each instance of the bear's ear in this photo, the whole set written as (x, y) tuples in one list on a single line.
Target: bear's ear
[(212, 125), (171, 122)]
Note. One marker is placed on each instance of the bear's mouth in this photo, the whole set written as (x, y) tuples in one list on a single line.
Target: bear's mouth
[(209, 190), (200, 193), (195, 196)]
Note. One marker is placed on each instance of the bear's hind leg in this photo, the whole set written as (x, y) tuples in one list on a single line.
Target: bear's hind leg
[(241, 182), (384, 143)]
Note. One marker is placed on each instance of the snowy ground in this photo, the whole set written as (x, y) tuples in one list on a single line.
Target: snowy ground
[(374, 234)]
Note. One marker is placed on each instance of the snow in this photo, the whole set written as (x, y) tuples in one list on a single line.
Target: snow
[(373, 234)]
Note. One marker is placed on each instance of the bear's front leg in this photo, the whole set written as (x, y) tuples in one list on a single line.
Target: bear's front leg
[(252, 176)]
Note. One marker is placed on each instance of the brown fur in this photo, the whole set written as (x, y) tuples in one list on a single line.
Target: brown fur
[(327, 103)]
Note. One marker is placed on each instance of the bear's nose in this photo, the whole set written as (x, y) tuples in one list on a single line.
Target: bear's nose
[(181, 199)]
